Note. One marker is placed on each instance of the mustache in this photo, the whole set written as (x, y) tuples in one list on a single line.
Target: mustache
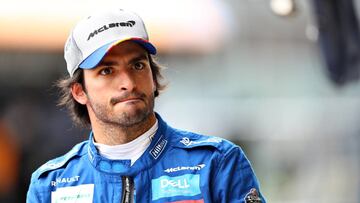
[(126, 96)]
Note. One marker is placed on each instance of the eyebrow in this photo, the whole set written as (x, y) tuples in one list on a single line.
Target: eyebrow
[(139, 57), (107, 63), (136, 58)]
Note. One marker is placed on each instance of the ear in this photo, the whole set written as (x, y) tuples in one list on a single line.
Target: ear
[(78, 93)]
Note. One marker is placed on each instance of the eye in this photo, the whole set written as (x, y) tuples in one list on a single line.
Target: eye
[(139, 66), (106, 71)]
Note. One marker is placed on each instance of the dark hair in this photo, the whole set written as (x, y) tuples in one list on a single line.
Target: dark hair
[(78, 112)]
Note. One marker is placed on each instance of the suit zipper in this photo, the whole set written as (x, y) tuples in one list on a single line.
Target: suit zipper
[(127, 189)]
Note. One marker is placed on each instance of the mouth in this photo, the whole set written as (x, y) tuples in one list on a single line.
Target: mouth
[(128, 98)]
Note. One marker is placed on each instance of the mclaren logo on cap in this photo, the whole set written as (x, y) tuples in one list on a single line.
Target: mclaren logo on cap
[(129, 23)]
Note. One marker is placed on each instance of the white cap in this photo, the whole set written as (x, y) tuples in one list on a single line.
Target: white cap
[(92, 37)]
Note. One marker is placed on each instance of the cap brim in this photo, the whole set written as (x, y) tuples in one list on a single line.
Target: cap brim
[(94, 59)]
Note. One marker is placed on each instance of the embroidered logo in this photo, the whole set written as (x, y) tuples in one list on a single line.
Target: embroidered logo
[(65, 180), (252, 196), (159, 147), (129, 23), (182, 168), (187, 142)]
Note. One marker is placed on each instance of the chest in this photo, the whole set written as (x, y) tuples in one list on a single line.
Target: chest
[(177, 177)]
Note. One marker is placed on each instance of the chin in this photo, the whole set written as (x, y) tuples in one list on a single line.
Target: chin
[(129, 118)]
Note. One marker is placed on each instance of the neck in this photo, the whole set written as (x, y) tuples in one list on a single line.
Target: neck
[(111, 134)]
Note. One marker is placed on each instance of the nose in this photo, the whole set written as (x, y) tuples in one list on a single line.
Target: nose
[(126, 81)]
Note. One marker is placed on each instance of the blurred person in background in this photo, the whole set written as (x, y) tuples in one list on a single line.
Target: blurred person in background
[(9, 164), (132, 155)]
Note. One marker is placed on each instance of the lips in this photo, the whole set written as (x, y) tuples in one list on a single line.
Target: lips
[(128, 98)]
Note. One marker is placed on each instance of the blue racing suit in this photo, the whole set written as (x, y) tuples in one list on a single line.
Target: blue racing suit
[(178, 166)]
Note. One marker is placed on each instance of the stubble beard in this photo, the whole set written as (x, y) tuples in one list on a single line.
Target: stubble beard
[(124, 119)]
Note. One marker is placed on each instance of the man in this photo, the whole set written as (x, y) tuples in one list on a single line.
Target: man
[(132, 155)]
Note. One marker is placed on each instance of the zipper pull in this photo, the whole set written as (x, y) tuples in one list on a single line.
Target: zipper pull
[(127, 189)]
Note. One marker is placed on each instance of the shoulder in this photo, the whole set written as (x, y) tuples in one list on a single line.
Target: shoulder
[(189, 140), (59, 162)]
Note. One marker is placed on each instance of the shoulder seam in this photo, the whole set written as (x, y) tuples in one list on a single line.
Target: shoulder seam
[(59, 161), (226, 155)]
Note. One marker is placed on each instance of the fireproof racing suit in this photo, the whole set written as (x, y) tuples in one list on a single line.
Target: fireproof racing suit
[(178, 166)]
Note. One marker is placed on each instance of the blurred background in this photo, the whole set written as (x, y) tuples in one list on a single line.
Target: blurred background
[(278, 77)]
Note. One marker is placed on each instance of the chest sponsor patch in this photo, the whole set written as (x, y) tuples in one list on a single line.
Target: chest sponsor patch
[(80, 193), (166, 186)]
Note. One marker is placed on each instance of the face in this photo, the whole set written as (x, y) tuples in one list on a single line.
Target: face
[(120, 90)]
